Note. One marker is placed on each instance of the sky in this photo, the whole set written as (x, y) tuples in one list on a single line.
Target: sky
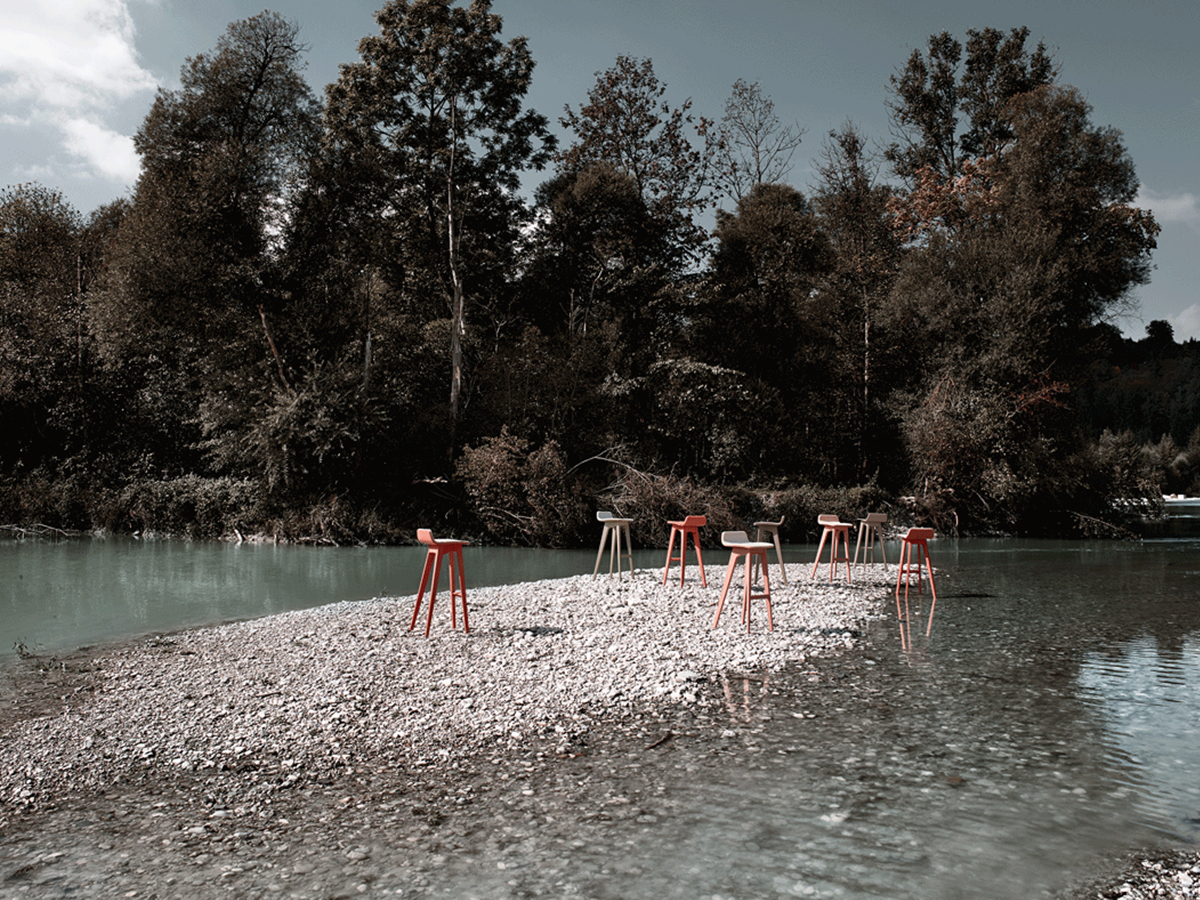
[(77, 78)]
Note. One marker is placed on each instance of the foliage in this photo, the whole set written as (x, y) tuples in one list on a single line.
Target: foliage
[(521, 496), (752, 146), (627, 124), (192, 506), (430, 125)]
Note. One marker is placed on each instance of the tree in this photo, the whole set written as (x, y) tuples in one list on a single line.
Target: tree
[(853, 208), (1014, 255), (430, 124), (752, 147), (944, 119), (627, 124), (183, 311)]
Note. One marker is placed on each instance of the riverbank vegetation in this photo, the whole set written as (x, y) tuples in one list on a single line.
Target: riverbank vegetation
[(339, 320)]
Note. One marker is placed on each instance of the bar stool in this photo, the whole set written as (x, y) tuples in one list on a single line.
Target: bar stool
[(751, 552), (840, 531), (452, 551), (614, 528), (772, 528), (916, 539), (690, 525), (872, 529)]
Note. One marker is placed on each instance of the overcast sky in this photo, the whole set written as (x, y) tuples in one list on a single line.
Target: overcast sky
[(78, 76)]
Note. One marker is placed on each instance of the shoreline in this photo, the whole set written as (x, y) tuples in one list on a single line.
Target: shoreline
[(266, 756)]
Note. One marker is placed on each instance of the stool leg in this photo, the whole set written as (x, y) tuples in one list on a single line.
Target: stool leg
[(725, 589), (767, 591), (670, 547), (858, 542), (817, 561), (421, 592), (779, 554), (600, 552), (746, 592), (699, 558), (437, 570), (462, 591)]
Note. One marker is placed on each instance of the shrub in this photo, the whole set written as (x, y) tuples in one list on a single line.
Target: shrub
[(192, 506)]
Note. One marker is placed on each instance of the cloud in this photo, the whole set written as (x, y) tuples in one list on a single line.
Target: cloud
[(1186, 325), (66, 65), (1181, 208)]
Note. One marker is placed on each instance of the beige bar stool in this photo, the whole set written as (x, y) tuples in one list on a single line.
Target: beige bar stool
[(742, 548), (840, 532), (614, 528), (772, 528), (870, 528)]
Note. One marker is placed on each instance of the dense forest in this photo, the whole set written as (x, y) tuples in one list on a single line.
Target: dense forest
[(339, 320)]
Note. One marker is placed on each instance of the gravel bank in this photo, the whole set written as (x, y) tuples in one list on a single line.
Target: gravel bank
[(334, 753), (283, 698)]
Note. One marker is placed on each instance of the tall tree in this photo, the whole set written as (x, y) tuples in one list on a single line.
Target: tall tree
[(430, 124), (852, 206), (752, 146), (627, 124)]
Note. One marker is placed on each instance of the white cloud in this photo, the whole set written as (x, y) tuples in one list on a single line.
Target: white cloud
[(66, 64), (103, 150), (1186, 325), (1181, 208)]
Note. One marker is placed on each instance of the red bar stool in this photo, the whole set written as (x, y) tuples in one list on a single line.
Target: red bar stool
[(614, 529), (690, 525), (871, 528), (752, 553), (772, 528), (452, 551), (840, 532), (916, 539)]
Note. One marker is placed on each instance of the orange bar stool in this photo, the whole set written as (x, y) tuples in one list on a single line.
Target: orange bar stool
[(452, 551), (751, 553), (614, 529), (772, 528), (840, 532), (870, 528), (917, 539), (690, 525)]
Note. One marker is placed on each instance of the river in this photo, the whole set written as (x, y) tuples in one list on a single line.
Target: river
[(1052, 715)]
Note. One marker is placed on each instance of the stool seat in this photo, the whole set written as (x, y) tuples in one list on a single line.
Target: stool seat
[(870, 528), (451, 550), (772, 529), (614, 529), (840, 532), (690, 525), (751, 553)]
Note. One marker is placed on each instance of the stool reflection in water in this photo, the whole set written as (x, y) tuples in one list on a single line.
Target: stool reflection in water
[(752, 553), (915, 540), (452, 551)]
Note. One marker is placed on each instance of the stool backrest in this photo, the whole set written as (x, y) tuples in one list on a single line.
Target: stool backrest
[(695, 521), (828, 520), (425, 536), (729, 538), (875, 518), (603, 514), (919, 534)]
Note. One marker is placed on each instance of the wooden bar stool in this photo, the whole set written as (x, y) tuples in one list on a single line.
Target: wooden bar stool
[(871, 528), (614, 528), (772, 528), (690, 525), (452, 551), (751, 552), (916, 539), (840, 532)]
